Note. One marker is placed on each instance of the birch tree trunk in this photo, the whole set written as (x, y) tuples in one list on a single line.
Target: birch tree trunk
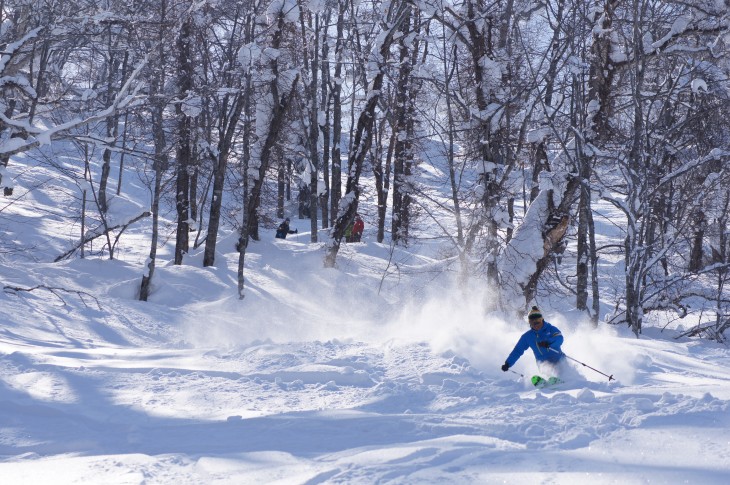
[(363, 136), (111, 122), (403, 131), (184, 162), (228, 116), (280, 103), (311, 37), (160, 158), (336, 184)]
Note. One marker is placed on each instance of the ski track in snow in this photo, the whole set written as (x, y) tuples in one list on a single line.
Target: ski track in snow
[(328, 412), (118, 395), (96, 387)]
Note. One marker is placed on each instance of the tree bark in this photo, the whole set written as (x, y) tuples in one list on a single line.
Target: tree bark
[(362, 141), (184, 135)]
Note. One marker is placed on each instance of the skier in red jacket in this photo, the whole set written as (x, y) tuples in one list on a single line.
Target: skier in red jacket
[(357, 228)]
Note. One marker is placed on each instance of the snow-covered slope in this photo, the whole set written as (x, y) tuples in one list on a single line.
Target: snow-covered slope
[(378, 371), (322, 376)]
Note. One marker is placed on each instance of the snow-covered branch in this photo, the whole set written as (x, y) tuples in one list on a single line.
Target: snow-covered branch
[(36, 136)]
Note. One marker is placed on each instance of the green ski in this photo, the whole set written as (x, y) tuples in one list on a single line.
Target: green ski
[(541, 382)]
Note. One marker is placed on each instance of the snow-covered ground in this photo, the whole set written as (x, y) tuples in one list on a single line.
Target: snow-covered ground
[(374, 372), (315, 378)]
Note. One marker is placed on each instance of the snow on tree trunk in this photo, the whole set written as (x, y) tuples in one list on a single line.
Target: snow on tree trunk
[(535, 241), (363, 135), (271, 114), (183, 160)]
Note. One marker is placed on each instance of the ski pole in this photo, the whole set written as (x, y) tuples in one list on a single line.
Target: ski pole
[(610, 378), (516, 373)]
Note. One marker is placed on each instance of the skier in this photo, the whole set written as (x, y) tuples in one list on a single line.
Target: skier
[(357, 228), (543, 338), (283, 229)]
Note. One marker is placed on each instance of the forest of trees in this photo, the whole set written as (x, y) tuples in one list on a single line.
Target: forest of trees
[(230, 109)]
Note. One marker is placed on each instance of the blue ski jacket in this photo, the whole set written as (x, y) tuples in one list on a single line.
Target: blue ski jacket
[(548, 333)]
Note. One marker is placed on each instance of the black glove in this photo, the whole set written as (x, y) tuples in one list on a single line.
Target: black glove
[(296, 231), (545, 344), (505, 367)]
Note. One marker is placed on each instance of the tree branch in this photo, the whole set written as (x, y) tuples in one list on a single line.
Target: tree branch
[(94, 236), (55, 290)]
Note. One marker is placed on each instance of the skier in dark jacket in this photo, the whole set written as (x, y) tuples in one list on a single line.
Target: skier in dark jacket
[(543, 338), (283, 229)]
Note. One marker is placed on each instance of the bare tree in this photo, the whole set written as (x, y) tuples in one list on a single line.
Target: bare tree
[(229, 109), (661, 158), (409, 47), (160, 157), (275, 104), (364, 130), (185, 108), (312, 28), (335, 189)]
